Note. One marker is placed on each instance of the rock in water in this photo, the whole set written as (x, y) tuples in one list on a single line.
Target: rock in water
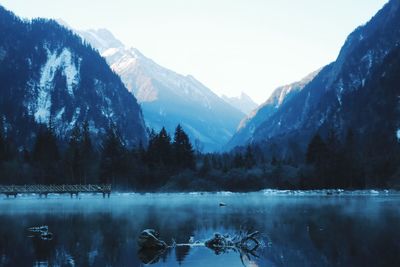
[(149, 239)]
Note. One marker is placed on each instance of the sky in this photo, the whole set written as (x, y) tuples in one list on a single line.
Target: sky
[(231, 46)]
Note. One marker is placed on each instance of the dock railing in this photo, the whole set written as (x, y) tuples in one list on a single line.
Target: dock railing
[(14, 190)]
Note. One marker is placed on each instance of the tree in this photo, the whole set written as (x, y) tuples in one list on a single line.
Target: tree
[(87, 146), (163, 147), (183, 150), (113, 153), (317, 156), (206, 166), (238, 161), (73, 156), (46, 155), (354, 176), (88, 154), (7, 151), (334, 166), (159, 151), (45, 148), (3, 146), (249, 158), (316, 150)]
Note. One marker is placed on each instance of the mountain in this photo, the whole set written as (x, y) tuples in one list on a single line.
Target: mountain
[(168, 98), (358, 91), (49, 76), (244, 103), (280, 96)]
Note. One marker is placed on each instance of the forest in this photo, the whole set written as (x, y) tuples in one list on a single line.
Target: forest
[(171, 164)]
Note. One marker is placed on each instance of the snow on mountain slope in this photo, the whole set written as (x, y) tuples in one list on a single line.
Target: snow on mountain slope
[(69, 70)]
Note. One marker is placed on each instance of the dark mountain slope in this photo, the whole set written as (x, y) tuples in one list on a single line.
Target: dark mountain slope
[(344, 92), (49, 76)]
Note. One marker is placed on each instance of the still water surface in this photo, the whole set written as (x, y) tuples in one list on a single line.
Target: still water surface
[(296, 230)]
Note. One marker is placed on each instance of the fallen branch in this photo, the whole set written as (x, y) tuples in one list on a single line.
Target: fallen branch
[(151, 247)]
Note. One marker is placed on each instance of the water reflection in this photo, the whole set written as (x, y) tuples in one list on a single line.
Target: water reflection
[(296, 231)]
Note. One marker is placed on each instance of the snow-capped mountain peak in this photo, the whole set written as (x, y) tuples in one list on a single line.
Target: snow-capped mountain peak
[(168, 98)]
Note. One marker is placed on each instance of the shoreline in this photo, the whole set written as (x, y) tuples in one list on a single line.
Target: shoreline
[(265, 192)]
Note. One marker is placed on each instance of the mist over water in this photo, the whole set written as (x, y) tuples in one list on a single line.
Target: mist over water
[(296, 230)]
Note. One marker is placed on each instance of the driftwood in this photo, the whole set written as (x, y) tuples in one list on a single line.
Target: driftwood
[(41, 232), (151, 248)]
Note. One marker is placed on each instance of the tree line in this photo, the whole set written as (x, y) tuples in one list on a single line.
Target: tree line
[(170, 163), (79, 161)]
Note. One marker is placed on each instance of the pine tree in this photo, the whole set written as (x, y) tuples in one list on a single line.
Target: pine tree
[(151, 153), (87, 146), (333, 143), (45, 148), (335, 166), (316, 150), (206, 166), (352, 162), (238, 161), (249, 158), (183, 150), (112, 157), (164, 148), (7, 151), (46, 155), (159, 149), (3, 146), (88, 154), (74, 159)]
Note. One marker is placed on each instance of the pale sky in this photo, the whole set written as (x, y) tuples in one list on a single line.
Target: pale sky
[(229, 45)]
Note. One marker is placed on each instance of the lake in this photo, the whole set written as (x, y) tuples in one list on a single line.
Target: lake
[(296, 229)]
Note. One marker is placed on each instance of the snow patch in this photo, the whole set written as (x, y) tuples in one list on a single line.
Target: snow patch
[(59, 114), (340, 92), (75, 118), (110, 52), (283, 95), (63, 61), (123, 64), (369, 59)]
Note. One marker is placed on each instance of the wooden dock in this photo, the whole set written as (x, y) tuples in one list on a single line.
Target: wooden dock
[(44, 190)]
